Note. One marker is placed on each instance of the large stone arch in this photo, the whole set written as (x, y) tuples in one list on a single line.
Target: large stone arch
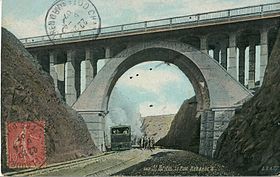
[(214, 87), (169, 56), (216, 90)]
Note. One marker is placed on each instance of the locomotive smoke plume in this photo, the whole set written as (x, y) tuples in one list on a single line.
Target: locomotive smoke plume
[(123, 111)]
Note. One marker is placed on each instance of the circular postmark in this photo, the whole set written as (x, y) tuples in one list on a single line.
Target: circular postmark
[(72, 18)]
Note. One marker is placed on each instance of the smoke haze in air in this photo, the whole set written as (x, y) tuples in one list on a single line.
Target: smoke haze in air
[(123, 111)]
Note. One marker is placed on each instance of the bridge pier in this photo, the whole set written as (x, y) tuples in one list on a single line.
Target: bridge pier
[(252, 63), (213, 124), (206, 133), (53, 73), (95, 121), (108, 54), (79, 57), (264, 53), (203, 44), (70, 90), (216, 54), (224, 55), (232, 62), (87, 69), (242, 49)]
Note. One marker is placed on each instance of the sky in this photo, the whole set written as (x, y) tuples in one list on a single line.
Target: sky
[(165, 87), (25, 18)]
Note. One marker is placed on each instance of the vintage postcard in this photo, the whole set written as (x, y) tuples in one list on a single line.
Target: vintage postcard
[(140, 88)]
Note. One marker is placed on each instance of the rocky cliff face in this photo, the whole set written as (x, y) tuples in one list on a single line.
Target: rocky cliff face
[(251, 142), (28, 95), (184, 130)]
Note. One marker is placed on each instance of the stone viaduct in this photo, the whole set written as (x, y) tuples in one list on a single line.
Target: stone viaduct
[(209, 48)]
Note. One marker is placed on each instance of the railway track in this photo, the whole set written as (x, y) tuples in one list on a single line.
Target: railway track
[(123, 164), (101, 165), (112, 168), (58, 166)]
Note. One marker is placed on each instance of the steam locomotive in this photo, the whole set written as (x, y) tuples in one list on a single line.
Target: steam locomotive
[(120, 137)]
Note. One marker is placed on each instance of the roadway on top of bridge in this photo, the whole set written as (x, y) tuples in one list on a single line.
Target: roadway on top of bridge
[(168, 24)]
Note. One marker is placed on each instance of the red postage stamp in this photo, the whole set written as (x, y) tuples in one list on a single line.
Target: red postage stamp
[(26, 144)]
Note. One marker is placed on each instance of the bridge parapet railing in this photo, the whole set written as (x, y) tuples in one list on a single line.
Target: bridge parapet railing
[(162, 23), (271, 7), (246, 11), (112, 29), (213, 15), (133, 26), (159, 23), (185, 19)]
